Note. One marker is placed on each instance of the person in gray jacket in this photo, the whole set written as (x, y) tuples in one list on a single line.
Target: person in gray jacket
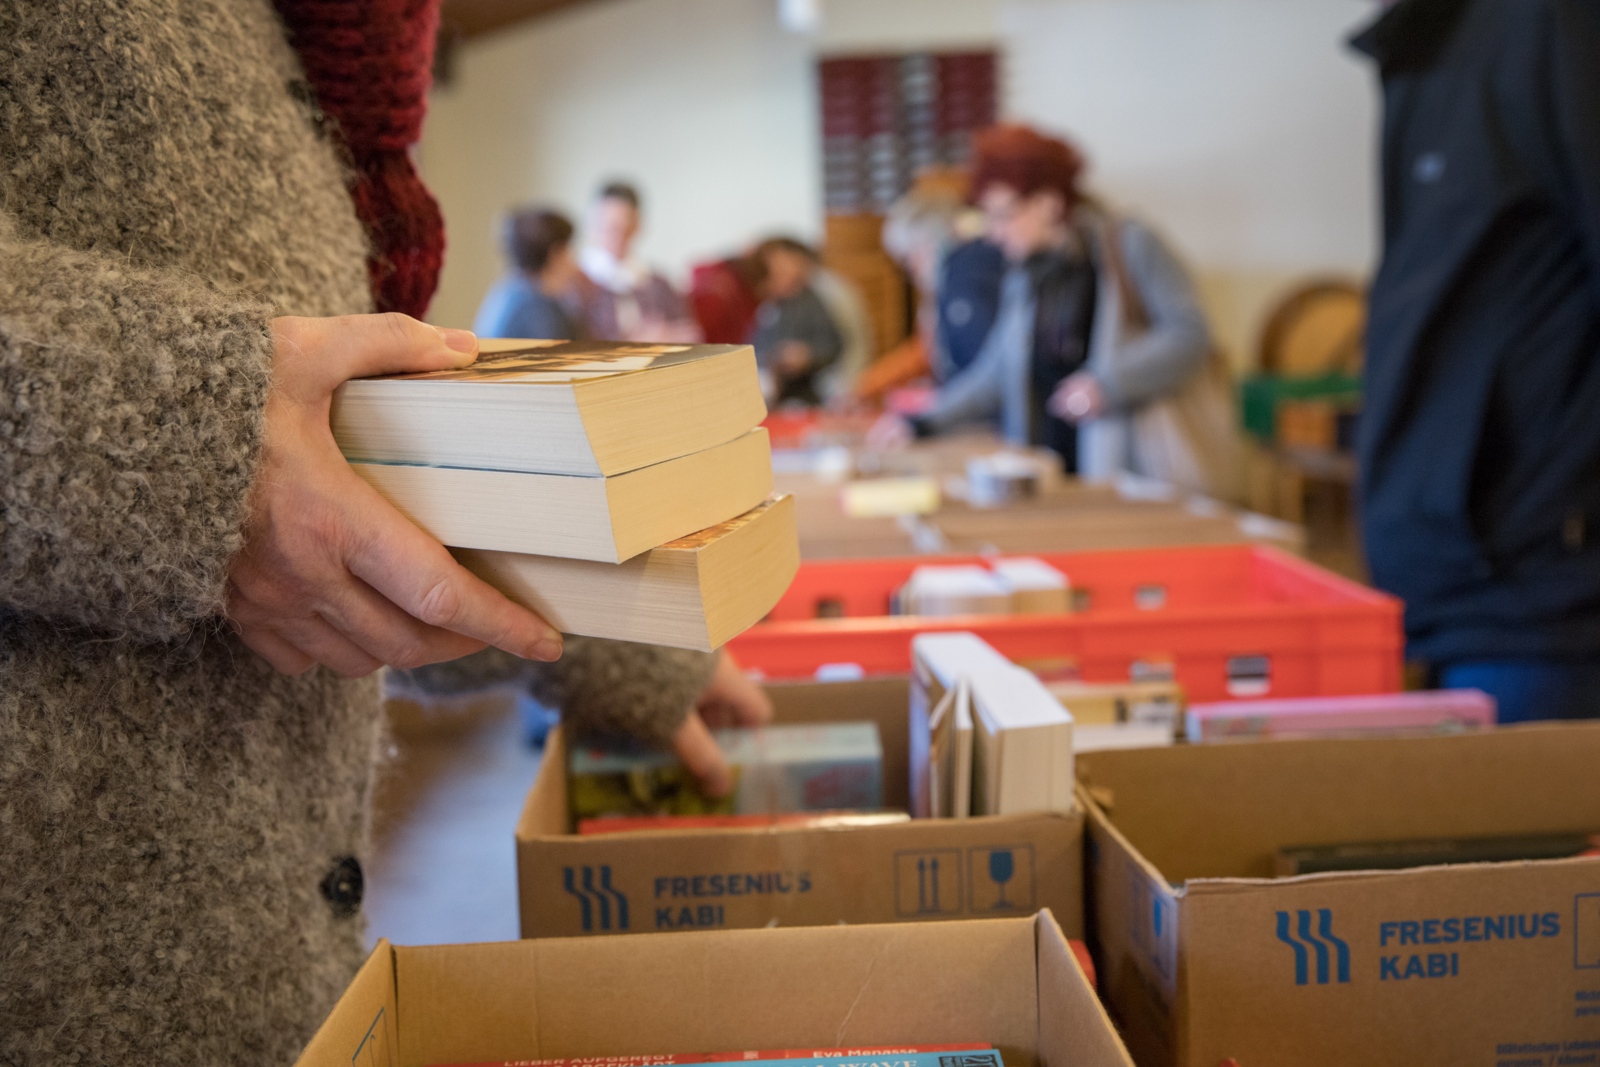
[(1097, 320), (193, 582)]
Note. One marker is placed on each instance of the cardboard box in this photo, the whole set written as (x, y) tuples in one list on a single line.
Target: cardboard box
[(1011, 983), (924, 869), (1204, 956)]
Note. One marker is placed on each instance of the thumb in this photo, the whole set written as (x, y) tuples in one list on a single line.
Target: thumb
[(331, 351), (698, 751)]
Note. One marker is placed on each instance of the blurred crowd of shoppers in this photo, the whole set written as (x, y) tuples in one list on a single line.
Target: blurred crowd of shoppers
[(1040, 312)]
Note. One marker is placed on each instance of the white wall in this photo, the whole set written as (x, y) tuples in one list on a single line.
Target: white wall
[(707, 104), (1242, 128)]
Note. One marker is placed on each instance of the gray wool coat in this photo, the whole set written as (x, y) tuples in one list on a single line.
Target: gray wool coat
[(169, 806)]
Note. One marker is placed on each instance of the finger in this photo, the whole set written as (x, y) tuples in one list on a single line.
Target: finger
[(415, 572), (735, 696), (698, 751), (314, 637), (388, 634), (280, 655), (359, 346)]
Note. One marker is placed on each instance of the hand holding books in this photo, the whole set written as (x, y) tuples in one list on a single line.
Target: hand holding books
[(330, 572)]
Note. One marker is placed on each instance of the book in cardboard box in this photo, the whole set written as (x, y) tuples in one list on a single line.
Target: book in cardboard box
[(1436, 711), (910, 1056), (846, 869), (1021, 736), (821, 767)]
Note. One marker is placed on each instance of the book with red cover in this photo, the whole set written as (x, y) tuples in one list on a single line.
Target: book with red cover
[(617, 824)]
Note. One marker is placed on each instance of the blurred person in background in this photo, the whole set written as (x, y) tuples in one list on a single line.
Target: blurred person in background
[(527, 302), (1099, 349), (796, 338), (850, 316), (968, 302), (1479, 440), (619, 298), (919, 232), (725, 295)]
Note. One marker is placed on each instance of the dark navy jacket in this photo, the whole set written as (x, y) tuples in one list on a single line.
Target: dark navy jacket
[(969, 300), (1480, 438)]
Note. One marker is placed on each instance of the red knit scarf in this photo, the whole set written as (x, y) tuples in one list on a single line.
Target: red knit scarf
[(370, 64)]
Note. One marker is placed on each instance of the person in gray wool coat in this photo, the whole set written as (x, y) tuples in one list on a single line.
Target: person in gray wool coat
[(194, 587)]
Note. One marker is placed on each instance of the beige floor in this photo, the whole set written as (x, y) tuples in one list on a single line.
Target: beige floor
[(443, 868)]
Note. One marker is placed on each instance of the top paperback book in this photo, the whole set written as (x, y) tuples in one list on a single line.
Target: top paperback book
[(555, 407)]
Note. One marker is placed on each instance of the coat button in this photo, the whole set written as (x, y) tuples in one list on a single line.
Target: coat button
[(343, 886)]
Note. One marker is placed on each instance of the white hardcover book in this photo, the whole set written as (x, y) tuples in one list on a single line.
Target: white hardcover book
[(936, 776), (1022, 745), (1019, 758), (1036, 587), (950, 757), (958, 590), (961, 753)]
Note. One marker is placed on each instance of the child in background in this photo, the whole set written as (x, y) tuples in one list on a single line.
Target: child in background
[(528, 302), (796, 337)]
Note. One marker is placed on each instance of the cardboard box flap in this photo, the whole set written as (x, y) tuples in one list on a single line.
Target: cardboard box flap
[(1221, 811), (544, 813), (1201, 888), (1097, 807), (362, 1031), (655, 993), (1071, 1016)]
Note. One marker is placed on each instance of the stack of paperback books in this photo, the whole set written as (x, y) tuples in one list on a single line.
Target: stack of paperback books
[(619, 490)]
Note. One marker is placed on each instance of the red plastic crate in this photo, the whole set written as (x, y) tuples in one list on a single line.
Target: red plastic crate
[(1226, 621)]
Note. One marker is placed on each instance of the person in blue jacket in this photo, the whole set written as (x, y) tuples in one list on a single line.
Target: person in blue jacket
[(530, 300)]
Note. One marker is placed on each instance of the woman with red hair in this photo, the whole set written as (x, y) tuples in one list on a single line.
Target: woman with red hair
[(1099, 349)]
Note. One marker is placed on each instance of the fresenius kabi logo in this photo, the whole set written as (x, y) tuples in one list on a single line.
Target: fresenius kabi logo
[(604, 908), (1331, 955)]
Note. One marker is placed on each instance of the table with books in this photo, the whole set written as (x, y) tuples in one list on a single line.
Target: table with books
[(973, 493)]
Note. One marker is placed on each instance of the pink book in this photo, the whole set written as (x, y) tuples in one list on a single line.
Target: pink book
[(1434, 710), (981, 1056)]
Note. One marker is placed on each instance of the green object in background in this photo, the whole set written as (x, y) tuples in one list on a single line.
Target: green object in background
[(1260, 395)]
